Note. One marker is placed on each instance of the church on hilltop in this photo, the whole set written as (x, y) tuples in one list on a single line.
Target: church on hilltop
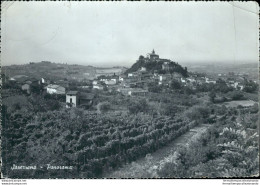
[(152, 56), (152, 63)]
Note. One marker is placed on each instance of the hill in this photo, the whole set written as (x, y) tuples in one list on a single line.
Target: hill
[(58, 71), (153, 63)]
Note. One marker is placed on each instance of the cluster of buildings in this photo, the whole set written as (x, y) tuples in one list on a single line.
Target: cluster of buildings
[(136, 83), (73, 98), (132, 83)]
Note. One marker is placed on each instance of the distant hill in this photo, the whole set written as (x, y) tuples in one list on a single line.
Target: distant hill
[(153, 63), (58, 71), (251, 69)]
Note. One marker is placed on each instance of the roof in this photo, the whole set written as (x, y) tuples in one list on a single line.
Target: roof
[(87, 96), (26, 85), (72, 92), (54, 86), (99, 85), (138, 90)]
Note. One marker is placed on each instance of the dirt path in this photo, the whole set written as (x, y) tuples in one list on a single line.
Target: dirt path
[(146, 167)]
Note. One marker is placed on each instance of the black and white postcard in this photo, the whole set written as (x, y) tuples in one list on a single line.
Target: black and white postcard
[(129, 90)]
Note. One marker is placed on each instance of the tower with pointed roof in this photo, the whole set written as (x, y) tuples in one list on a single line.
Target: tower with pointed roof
[(152, 56)]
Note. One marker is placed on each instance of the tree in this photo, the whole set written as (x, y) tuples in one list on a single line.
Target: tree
[(212, 96), (36, 88), (237, 95), (171, 109), (175, 84), (141, 57), (138, 106), (154, 87), (250, 86), (188, 91), (104, 107)]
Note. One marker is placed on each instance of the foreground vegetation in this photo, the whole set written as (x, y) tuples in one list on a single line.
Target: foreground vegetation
[(117, 130), (230, 148), (39, 130)]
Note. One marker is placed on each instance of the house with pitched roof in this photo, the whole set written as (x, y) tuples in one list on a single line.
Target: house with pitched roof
[(76, 99), (72, 99), (55, 89)]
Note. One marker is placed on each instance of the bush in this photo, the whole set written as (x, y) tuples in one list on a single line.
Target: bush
[(237, 95), (53, 105), (104, 107), (175, 84), (197, 113), (188, 91), (170, 109), (212, 96), (250, 87), (138, 106)]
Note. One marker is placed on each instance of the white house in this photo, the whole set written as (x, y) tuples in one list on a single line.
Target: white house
[(55, 89), (130, 74), (143, 69), (72, 99), (121, 78), (95, 82), (235, 84), (191, 80), (162, 78), (210, 81), (240, 86), (183, 80), (110, 82), (98, 86)]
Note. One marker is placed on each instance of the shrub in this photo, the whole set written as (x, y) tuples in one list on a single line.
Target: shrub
[(138, 106), (104, 107)]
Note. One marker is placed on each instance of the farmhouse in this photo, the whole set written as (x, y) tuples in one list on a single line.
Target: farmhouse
[(76, 98), (98, 86), (72, 99)]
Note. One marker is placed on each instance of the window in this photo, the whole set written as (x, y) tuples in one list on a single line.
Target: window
[(70, 100)]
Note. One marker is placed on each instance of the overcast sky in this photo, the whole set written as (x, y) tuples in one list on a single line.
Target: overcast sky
[(116, 33)]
